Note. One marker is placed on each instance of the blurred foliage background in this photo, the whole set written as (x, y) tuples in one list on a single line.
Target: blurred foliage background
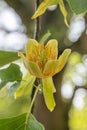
[(16, 27)]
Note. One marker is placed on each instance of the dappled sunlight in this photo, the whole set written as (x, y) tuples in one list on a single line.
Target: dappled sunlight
[(74, 85), (12, 31), (85, 60), (78, 80), (52, 7), (77, 27), (78, 112), (67, 90), (10, 21), (81, 69), (15, 41), (78, 100), (75, 75)]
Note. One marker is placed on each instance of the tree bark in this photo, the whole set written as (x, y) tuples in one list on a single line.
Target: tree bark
[(58, 119)]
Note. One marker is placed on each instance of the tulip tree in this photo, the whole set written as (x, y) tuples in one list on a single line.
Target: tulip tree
[(42, 62)]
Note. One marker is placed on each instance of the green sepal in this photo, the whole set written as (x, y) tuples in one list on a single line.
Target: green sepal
[(20, 54), (34, 69), (48, 90)]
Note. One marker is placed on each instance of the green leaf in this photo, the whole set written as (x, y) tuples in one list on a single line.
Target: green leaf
[(13, 88), (18, 123), (25, 86), (10, 74), (7, 57), (78, 6), (13, 123), (33, 124), (48, 90)]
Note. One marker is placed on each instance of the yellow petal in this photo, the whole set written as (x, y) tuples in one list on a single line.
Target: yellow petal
[(50, 68), (63, 59), (43, 6), (64, 11), (52, 49), (34, 69), (32, 50), (48, 90)]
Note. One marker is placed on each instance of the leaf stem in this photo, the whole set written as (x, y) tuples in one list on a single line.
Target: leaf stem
[(32, 102)]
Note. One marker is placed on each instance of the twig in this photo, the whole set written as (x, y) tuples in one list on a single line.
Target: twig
[(37, 22)]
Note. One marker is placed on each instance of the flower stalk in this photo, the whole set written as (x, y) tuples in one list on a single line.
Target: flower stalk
[(32, 103)]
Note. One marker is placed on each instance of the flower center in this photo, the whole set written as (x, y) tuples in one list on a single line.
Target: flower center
[(41, 59)]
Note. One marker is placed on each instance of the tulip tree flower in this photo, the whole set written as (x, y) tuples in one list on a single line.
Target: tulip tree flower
[(46, 3), (42, 61)]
